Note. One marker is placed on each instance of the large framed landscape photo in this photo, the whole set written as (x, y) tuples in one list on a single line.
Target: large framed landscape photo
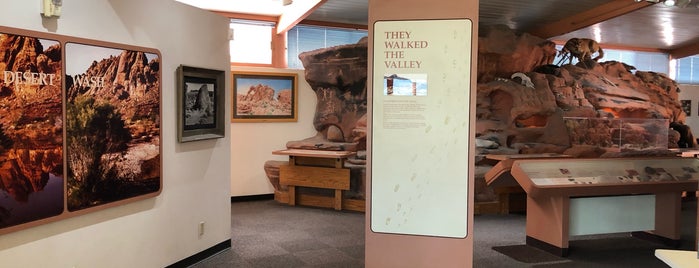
[(200, 100), (264, 97), (112, 124), (79, 126)]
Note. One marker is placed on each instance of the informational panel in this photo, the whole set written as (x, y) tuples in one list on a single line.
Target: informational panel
[(420, 128)]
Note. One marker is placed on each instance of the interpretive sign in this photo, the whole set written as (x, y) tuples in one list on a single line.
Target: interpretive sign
[(420, 127)]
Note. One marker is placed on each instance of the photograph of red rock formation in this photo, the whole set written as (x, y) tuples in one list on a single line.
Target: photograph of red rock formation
[(112, 124), (31, 162), (263, 96)]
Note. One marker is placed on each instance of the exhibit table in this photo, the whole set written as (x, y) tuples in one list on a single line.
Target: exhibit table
[(317, 169), (504, 185), (499, 175), (568, 197), (678, 258)]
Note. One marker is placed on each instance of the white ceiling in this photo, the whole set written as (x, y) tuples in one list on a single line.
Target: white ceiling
[(648, 26)]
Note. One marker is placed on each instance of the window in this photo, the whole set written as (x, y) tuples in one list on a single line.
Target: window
[(687, 70), (252, 42), (306, 38)]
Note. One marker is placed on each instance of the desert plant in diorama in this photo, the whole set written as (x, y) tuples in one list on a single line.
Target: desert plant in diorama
[(95, 135)]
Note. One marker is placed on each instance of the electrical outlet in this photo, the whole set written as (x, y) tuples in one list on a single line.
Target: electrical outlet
[(201, 228)]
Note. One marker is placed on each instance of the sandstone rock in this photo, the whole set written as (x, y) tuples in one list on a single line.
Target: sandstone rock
[(501, 52), (338, 75), (271, 168)]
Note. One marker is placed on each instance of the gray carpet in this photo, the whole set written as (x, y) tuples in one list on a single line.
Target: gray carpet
[(268, 234)]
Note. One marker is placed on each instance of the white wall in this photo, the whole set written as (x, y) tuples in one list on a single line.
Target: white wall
[(691, 92), (252, 143), (196, 176)]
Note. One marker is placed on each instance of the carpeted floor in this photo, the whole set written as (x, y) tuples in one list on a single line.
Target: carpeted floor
[(268, 234)]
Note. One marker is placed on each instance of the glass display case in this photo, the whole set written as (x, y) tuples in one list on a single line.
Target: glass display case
[(619, 134), (571, 196), (615, 171)]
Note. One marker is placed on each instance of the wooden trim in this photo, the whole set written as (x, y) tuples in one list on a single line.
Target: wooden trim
[(279, 49), (244, 16), (334, 24), (684, 51), (244, 64), (586, 18)]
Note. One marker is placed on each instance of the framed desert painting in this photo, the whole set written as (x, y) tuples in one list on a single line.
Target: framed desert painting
[(264, 97), (200, 101)]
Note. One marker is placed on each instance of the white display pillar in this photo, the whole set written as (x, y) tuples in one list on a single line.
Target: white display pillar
[(421, 86)]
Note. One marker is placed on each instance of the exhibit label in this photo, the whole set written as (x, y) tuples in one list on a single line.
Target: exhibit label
[(420, 127)]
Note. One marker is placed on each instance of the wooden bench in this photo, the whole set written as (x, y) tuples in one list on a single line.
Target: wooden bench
[(315, 168)]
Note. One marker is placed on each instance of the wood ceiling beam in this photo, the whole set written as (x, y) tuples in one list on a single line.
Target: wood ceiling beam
[(590, 17), (685, 51), (293, 16)]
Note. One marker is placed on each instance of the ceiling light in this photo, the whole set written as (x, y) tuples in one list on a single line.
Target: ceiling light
[(670, 3), (287, 2)]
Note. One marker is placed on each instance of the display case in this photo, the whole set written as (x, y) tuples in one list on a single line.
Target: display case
[(569, 196), (619, 134), (605, 176)]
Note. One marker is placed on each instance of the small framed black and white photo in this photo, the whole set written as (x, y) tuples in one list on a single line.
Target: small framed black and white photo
[(200, 103)]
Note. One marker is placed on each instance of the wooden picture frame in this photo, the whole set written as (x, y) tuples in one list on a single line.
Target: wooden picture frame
[(200, 104), (264, 97)]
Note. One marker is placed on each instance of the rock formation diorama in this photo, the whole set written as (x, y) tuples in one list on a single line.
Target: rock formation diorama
[(525, 105)]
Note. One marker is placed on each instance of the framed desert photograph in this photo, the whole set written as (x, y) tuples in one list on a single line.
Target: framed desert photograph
[(200, 101), (112, 125), (264, 97)]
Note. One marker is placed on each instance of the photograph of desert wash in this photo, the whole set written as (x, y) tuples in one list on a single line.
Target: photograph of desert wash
[(112, 124)]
